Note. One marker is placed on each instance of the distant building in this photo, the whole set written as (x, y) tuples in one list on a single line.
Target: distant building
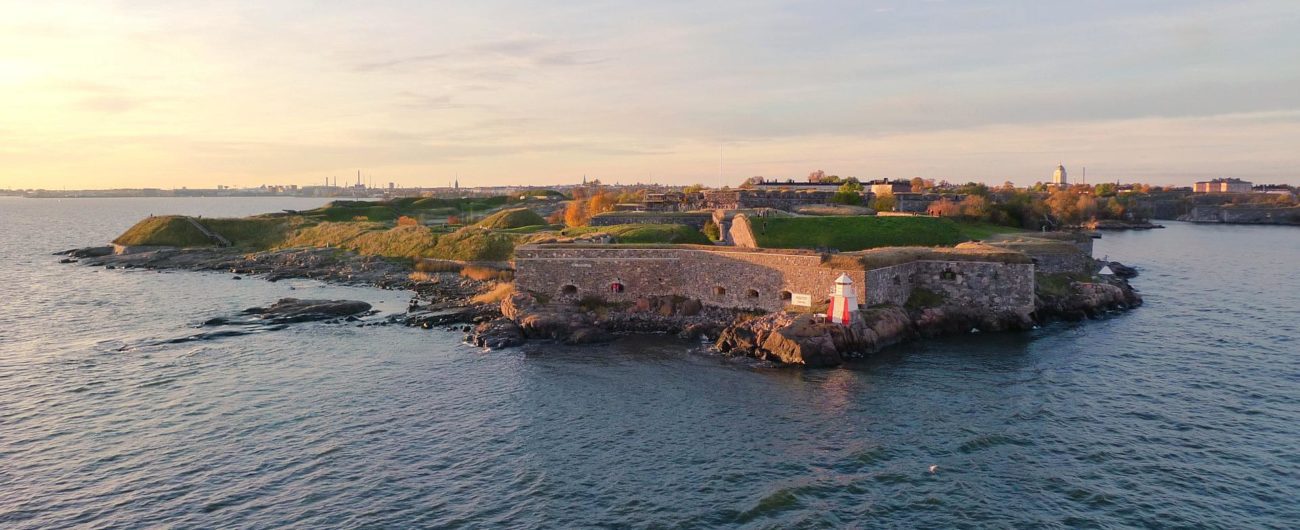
[(1222, 185), (888, 187), (1059, 177), (792, 184)]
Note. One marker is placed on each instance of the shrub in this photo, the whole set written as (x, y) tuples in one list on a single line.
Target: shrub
[(712, 231), (497, 293), (482, 274), (407, 220)]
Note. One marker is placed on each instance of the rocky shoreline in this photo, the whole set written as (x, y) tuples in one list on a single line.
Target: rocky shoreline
[(447, 300), (787, 338)]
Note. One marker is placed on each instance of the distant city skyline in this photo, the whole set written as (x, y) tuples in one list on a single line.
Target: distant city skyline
[(103, 94)]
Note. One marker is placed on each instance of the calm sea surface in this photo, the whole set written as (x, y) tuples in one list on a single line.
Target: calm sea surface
[(1184, 413)]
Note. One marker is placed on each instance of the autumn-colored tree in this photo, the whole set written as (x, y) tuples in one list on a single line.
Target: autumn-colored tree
[(407, 220), (575, 213), (975, 207), (1087, 207), (556, 217), (601, 203), (1063, 206), (944, 208), (918, 184), (1114, 208)]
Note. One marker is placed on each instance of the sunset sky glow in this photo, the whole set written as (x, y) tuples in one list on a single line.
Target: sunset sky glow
[(153, 93)]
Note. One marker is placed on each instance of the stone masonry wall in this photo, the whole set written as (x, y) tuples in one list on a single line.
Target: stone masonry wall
[(1055, 263), (741, 234), (693, 220), (760, 280), (994, 286), (721, 278), (889, 285)]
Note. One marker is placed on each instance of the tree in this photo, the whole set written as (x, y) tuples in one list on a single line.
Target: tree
[(601, 203), (712, 231), (1114, 208), (816, 176), (850, 192), (975, 207), (575, 213), (918, 184), (944, 208), (884, 202), (1064, 207)]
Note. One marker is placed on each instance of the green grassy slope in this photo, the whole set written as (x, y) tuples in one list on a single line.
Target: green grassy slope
[(645, 233), (855, 233), (512, 218), (164, 230)]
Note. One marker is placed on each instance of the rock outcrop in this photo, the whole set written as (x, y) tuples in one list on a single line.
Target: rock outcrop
[(291, 310)]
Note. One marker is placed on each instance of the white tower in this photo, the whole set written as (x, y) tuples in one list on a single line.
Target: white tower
[(1058, 177), (844, 301)]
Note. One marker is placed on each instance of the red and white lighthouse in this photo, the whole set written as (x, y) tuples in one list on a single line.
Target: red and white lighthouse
[(844, 301)]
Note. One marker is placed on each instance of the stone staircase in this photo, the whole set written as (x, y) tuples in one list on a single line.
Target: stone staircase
[(215, 237)]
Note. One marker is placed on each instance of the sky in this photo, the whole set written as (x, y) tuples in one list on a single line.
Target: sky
[(172, 93)]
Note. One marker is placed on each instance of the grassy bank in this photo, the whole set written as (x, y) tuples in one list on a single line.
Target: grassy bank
[(855, 233), (645, 233)]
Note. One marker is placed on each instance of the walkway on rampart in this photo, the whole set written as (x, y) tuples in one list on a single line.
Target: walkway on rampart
[(215, 237)]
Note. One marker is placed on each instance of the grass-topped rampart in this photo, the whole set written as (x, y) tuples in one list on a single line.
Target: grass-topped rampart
[(512, 218), (851, 233), (164, 230), (645, 233), (854, 232)]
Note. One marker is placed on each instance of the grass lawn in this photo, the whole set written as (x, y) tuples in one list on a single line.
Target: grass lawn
[(849, 233), (982, 231), (855, 232), (645, 233)]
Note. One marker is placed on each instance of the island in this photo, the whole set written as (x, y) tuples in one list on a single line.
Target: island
[(756, 281)]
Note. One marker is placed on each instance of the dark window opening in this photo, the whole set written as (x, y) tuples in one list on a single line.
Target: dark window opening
[(949, 275), (616, 287), (786, 296), (569, 289), (752, 293), (719, 291), (897, 280)]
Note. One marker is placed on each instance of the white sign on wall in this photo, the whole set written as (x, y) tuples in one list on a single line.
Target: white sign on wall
[(804, 300)]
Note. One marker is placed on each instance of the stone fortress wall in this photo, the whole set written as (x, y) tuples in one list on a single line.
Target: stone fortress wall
[(721, 278), (695, 220), (749, 279)]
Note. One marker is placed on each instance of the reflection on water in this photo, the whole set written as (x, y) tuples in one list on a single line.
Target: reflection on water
[(1182, 413)]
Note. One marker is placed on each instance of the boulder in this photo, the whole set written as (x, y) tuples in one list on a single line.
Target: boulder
[(498, 333)]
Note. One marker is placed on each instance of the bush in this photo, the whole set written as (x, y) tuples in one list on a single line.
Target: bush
[(712, 231), (499, 292)]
